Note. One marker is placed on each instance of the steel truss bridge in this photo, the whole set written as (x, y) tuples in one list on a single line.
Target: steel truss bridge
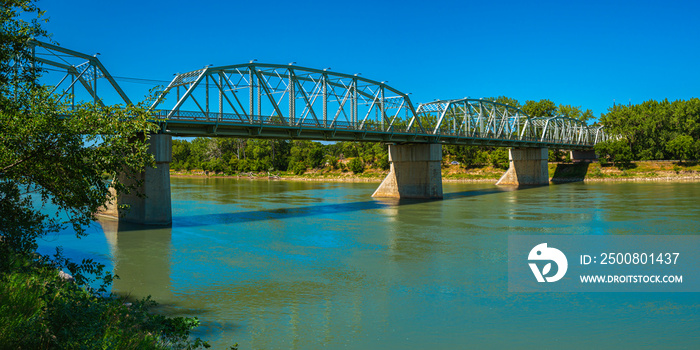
[(291, 102)]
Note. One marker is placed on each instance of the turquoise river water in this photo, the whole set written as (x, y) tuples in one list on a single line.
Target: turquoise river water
[(306, 265)]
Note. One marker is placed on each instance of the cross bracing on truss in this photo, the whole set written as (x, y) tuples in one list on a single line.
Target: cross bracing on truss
[(79, 71), (484, 118), (291, 95)]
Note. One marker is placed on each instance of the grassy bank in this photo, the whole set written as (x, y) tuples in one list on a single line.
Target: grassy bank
[(558, 172)]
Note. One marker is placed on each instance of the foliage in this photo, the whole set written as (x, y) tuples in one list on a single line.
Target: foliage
[(63, 160), (541, 108), (616, 151), (331, 161), (59, 157), (682, 147), (575, 112), (657, 129), (230, 156), (299, 168), (383, 163), (308, 152), (15, 32), (42, 310), (356, 166), (467, 156), (499, 158), (505, 100), (555, 155)]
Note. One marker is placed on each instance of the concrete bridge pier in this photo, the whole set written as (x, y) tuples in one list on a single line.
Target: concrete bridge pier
[(155, 207), (528, 166), (583, 156), (415, 172)]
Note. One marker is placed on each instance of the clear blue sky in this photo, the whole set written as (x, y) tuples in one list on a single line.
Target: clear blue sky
[(583, 53)]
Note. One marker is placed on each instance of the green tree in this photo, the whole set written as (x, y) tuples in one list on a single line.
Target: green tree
[(575, 112), (682, 147), (541, 108), (505, 100), (356, 165), (181, 154), (499, 158), (617, 151), (383, 163), (467, 156), (650, 127), (299, 168), (311, 153), (61, 160)]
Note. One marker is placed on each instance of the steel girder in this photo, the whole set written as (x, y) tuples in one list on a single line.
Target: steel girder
[(77, 69)]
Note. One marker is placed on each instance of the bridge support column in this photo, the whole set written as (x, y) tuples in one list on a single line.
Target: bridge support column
[(528, 166), (155, 208), (415, 172), (583, 156)]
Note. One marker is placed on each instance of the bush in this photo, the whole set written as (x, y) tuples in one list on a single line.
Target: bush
[(176, 165), (332, 162), (356, 165), (41, 310), (233, 164), (215, 165), (618, 151), (555, 155), (243, 165), (383, 163), (499, 158), (299, 168)]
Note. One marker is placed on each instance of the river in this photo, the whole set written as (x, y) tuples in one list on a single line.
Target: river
[(305, 265)]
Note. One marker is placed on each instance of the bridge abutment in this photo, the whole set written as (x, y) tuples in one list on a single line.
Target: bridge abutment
[(583, 156), (527, 166), (154, 208), (415, 172)]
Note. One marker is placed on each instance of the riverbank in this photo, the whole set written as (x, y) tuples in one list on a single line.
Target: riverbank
[(45, 308), (558, 172)]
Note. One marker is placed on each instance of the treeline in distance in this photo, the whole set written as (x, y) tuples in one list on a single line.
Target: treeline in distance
[(652, 130), (648, 131)]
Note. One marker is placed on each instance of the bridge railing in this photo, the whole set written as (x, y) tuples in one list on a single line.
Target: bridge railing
[(444, 131)]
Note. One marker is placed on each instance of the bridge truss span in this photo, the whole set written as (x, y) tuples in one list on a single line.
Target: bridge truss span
[(286, 101), (489, 120), (286, 96)]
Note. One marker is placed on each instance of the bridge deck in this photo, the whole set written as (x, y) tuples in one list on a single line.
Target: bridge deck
[(191, 124)]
